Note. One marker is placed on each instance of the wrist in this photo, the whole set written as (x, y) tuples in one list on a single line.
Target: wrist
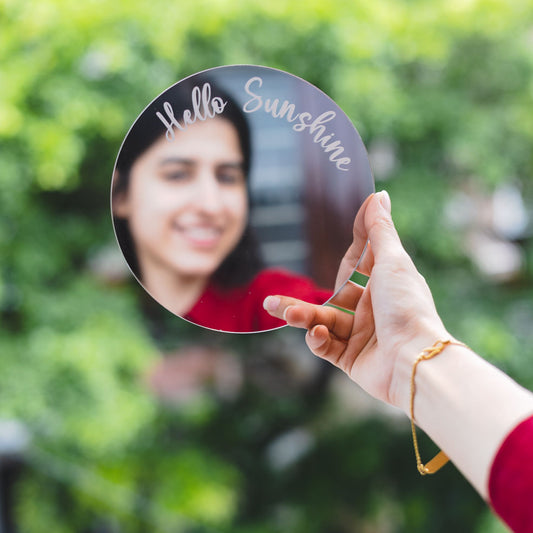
[(466, 405), (400, 387)]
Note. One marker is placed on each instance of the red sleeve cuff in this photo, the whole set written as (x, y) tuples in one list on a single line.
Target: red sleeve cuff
[(511, 479)]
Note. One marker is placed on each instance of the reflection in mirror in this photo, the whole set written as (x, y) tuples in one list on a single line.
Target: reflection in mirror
[(234, 184)]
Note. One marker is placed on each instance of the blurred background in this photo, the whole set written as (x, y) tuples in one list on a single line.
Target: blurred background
[(118, 417)]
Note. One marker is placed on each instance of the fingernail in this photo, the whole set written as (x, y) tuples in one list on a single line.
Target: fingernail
[(384, 200), (312, 331), (271, 303)]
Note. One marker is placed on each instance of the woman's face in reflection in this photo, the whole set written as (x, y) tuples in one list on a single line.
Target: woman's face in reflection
[(186, 202)]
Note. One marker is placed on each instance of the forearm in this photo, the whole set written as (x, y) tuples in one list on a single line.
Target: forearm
[(466, 405)]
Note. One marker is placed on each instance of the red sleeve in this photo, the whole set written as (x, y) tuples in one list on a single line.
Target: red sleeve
[(278, 281), (511, 479), (241, 309)]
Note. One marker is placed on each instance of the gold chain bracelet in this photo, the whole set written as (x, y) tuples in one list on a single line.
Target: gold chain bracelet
[(441, 458)]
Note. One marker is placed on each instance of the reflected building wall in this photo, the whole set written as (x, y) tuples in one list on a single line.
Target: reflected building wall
[(276, 176)]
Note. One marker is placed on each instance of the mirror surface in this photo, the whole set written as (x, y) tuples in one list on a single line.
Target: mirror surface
[(236, 183)]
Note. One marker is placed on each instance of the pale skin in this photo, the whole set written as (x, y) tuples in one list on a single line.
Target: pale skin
[(466, 405)]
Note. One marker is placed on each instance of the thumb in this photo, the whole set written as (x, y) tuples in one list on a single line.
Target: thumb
[(382, 234)]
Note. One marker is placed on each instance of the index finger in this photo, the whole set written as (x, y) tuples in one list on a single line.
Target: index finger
[(301, 314)]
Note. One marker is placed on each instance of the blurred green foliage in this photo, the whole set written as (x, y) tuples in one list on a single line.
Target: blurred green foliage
[(446, 85)]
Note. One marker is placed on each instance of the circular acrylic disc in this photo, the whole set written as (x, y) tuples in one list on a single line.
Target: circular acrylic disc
[(234, 184)]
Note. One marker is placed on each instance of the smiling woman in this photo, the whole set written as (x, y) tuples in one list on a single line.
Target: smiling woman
[(181, 205), (187, 208)]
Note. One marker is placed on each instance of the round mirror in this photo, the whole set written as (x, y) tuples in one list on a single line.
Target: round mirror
[(236, 183)]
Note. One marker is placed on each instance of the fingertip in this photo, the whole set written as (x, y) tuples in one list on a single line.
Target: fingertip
[(295, 316), (316, 336), (271, 303), (384, 200), (380, 227)]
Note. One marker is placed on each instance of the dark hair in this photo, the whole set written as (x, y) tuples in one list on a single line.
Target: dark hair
[(243, 262)]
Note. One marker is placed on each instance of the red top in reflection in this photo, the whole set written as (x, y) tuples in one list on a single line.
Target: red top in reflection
[(241, 309), (511, 479)]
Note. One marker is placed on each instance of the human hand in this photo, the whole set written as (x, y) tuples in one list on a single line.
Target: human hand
[(378, 326)]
